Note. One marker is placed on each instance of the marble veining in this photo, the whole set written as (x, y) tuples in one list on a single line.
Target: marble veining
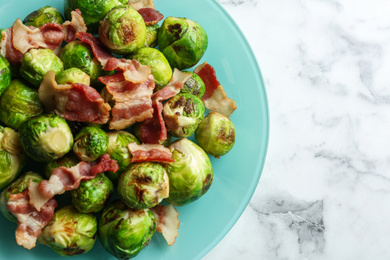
[(325, 189)]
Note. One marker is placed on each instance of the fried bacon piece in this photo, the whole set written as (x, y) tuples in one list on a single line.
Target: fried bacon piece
[(149, 153), (167, 222)]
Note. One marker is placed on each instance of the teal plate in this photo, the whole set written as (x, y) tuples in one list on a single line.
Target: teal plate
[(205, 222)]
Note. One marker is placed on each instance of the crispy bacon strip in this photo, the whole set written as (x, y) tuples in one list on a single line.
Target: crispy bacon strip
[(77, 24), (8, 50), (65, 179), (100, 51), (168, 222), (149, 153), (30, 220), (153, 130), (133, 101), (151, 16), (76, 102), (139, 4), (215, 97)]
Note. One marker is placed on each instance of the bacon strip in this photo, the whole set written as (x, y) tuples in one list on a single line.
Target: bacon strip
[(77, 24), (8, 50), (133, 101), (65, 179), (153, 130), (30, 220), (167, 222), (150, 153), (151, 16), (139, 4), (76, 102), (215, 97)]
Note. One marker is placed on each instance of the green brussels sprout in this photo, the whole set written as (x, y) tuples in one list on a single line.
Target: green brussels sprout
[(43, 15), (93, 11), (123, 30), (123, 231), (12, 158), (37, 62), (216, 134), (70, 232), (92, 195), (191, 175), (151, 35), (18, 103), (182, 114), (161, 70), (68, 160), (46, 137), (79, 55), (182, 41), (5, 74), (90, 143), (73, 75), (17, 186), (194, 86), (136, 128), (117, 149), (143, 185)]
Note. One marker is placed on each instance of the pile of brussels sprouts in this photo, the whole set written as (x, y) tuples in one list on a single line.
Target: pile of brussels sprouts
[(33, 143)]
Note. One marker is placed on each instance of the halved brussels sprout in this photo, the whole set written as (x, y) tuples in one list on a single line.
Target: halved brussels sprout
[(18, 103), (93, 11), (90, 143), (123, 231), (123, 30), (194, 86), (37, 62), (216, 134), (17, 186), (5, 74), (70, 232), (161, 70), (68, 160), (182, 114), (151, 35), (43, 15), (143, 185), (191, 175), (46, 137), (73, 75), (117, 149), (182, 41), (12, 158), (92, 195)]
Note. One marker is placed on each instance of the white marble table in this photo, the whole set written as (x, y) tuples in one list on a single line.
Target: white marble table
[(325, 189)]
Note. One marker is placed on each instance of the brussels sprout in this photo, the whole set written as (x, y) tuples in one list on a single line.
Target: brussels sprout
[(73, 75), (143, 185), (182, 114), (46, 137), (93, 11), (92, 195), (90, 143), (5, 74), (68, 160), (194, 86), (123, 231), (1, 33), (123, 30), (17, 186), (79, 55), (182, 41), (18, 103), (43, 15), (136, 128), (191, 175), (70, 232), (151, 35), (159, 65), (216, 134), (117, 149), (37, 62), (12, 158)]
